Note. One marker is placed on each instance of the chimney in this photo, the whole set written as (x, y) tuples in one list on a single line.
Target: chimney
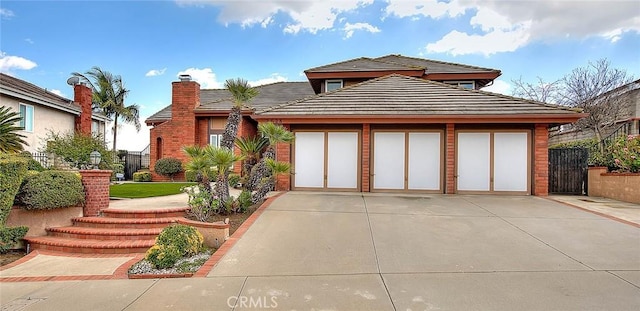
[(185, 97), (82, 95)]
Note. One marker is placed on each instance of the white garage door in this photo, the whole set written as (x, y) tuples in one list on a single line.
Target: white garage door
[(406, 161), (493, 161), (333, 155)]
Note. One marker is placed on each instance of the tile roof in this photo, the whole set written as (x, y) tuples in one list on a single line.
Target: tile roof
[(433, 66), (401, 95), (33, 93), (363, 64)]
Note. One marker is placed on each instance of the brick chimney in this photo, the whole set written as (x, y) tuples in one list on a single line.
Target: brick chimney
[(185, 96), (82, 95)]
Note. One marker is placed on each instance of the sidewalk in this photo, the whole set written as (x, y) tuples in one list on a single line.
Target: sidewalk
[(609, 208)]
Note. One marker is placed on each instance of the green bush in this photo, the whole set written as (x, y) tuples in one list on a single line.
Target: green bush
[(51, 189), (244, 200), (234, 179), (625, 152), (116, 168), (192, 176), (74, 148), (12, 172), (32, 164), (173, 243), (142, 176), (168, 167), (10, 236)]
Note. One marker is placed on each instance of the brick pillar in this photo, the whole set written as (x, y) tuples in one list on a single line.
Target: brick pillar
[(541, 160), (82, 95), (366, 144), (450, 158), (96, 191), (283, 153)]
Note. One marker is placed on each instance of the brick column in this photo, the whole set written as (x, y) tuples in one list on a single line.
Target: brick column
[(96, 191), (82, 96), (541, 160), (366, 144), (450, 158), (283, 154)]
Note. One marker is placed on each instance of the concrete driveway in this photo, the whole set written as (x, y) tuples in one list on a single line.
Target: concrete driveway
[(405, 252)]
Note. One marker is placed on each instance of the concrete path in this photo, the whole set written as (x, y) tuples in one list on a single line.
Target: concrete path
[(331, 251)]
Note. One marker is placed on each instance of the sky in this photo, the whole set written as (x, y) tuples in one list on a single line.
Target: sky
[(149, 43)]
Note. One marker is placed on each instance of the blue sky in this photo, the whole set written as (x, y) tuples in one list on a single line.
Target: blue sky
[(149, 43)]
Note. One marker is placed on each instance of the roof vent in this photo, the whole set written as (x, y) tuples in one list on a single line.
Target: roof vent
[(184, 77)]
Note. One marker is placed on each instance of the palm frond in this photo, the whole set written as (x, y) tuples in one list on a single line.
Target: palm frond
[(251, 146), (10, 140), (240, 90), (275, 133), (278, 167)]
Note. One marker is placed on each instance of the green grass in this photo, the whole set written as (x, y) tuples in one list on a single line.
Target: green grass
[(146, 190)]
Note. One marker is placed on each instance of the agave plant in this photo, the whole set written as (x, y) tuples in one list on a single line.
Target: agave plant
[(10, 140)]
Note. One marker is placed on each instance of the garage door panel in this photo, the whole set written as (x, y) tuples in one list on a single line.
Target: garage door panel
[(474, 161), (309, 160), (388, 161), (424, 161), (342, 162), (510, 162)]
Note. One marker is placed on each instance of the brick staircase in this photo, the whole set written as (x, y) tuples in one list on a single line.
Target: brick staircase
[(117, 231)]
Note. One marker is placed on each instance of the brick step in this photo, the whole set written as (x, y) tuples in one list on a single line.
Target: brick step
[(104, 233), (150, 213), (124, 223), (88, 246)]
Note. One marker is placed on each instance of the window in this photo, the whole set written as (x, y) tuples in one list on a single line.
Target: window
[(95, 127), (470, 85), (215, 139), (332, 85), (26, 117)]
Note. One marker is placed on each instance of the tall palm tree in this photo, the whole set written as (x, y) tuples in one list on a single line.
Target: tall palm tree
[(241, 93), (108, 96), (10, 140), (222, 159), (250, 148), (276, 169), (274, 133)]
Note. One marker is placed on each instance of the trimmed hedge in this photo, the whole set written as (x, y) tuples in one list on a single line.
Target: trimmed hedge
[(50, 190), (141, 176), (168, 167), (10, 236), (12, 172)]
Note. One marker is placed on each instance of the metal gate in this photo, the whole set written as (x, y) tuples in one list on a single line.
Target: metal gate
[(133, 161), (568, 170)]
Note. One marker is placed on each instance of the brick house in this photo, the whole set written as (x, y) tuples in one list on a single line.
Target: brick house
[(392, 123), (42, 111)]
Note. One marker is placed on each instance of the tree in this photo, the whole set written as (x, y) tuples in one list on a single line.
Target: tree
[(201, 164), (250, 148), (276, 169), (108, 95), (241, 93), (10, 140), (168, 167), (544, 92), (275, 134), (222, 158), (74, 148)]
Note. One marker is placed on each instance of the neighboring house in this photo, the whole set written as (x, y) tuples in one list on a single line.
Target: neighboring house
[(42, 111), (392, 123), (628, 125)]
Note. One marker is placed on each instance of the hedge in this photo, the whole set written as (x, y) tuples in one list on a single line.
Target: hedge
[(12, 172), (168, 167), (50, 190), (141, 176)]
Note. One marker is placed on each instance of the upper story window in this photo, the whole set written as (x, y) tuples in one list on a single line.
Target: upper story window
[(26, 117), (332, 85), (470, 85)]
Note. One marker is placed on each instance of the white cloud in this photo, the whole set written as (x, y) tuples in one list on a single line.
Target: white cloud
[(5, 13), (427, 8), (206, 77), (10, 62), (310, 16), (349, 29), (57, 92), (498, 86), (273, 78), (495, 41), (155, 72), (28, 40)]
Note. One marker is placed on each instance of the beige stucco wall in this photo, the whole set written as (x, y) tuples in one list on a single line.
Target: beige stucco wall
[(44, 119), (622, 187)]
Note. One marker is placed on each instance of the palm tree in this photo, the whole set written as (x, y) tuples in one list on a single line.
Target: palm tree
[(108, 96), (201, 164), (10, 140), (276, 169), (275, 134), (241, 93), (250, 148), (222, 159)]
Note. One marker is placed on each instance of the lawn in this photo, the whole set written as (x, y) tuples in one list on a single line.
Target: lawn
[(146, 190)]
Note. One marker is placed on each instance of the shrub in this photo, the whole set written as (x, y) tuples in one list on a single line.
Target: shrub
[(244, 200), (625, 152), (75, 148), (234, 179), (10, 236), (116, 168), (173, 243), (142, 176), (168, 167), (51, 189), (201, 202), (13, 170), (32, 164)]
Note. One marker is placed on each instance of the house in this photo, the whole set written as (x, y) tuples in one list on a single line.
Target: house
[(629, 124), (392, 123), (43, 111)]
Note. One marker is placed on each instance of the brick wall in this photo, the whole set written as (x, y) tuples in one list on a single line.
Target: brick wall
[(450, 159), (540, 160), (366, 150), (82, 95), (96, 189), (283, 154)]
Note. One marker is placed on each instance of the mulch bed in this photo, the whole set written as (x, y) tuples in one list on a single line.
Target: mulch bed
[(11, 256), (235, 219)]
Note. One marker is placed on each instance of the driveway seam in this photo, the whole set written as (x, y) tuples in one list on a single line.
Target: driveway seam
[(612, 273), (240, 292), (141, 294)]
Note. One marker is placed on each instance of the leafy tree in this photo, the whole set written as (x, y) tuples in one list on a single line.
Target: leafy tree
[(10, 140), (275, 134), (108, 95), (168, 167), (74, 148)]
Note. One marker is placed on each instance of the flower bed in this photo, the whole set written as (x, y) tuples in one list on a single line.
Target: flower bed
[(184, 267)]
